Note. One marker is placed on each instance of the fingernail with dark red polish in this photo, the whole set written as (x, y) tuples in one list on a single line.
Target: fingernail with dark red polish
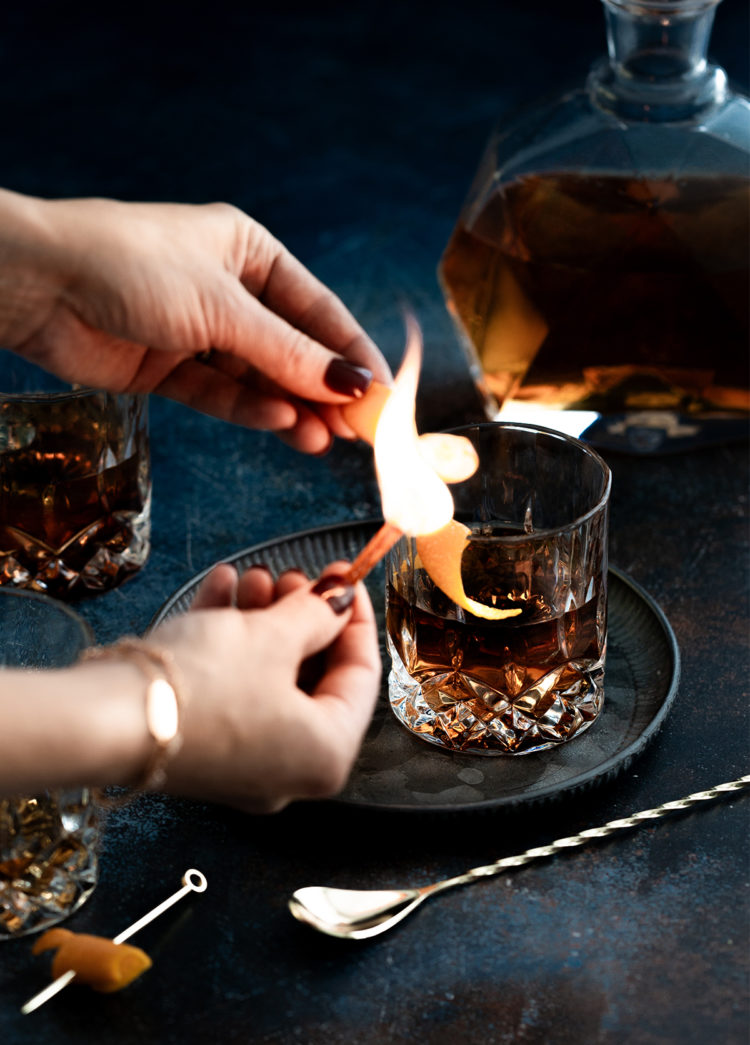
[(337, 593), (346, 378)]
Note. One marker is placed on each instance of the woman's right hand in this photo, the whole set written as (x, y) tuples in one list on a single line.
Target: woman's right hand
[(280, 685)]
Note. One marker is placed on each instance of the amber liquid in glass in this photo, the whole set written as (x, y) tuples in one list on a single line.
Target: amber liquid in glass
[(545, 666), (508, 655), (607, 293), (68, 525)]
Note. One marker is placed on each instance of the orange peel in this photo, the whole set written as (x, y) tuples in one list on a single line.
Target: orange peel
[(98, 962), (441, 554), (453, 457), (362, 415)]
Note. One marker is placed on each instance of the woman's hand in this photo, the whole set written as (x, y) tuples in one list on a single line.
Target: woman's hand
[(280, 685), (278, 682), (197, 303)]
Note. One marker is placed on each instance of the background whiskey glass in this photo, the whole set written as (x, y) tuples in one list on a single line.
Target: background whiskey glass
[(75, 483), (48, 841), (537, 508)]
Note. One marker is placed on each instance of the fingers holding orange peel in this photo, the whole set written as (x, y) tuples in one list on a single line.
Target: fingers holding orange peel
[(362, 415)]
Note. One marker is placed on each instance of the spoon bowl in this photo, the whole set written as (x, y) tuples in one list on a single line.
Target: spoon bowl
[(353, 914)]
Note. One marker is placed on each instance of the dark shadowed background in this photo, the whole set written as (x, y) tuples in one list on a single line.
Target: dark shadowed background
[(352, 131)]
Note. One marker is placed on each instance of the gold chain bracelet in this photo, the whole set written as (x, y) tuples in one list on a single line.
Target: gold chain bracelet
[(164, 701)]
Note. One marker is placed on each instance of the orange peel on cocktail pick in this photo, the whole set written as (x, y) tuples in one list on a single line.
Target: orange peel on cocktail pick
[(98, 962), (453, 457), (103, 963), (441, 554)]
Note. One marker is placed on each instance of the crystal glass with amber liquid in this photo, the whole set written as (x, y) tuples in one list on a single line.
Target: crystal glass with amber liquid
[(537, 513), (598, 272), (75, 484), (49, 840)]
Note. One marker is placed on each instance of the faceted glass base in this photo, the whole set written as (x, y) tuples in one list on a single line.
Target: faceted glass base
[(48, 859), (99, 557), (455, 712), (75, 486)]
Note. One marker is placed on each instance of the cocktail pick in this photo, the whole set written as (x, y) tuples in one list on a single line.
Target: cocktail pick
[(358, 914), (192, 882)]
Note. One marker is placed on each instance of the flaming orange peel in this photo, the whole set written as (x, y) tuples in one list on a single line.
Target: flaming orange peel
[(362, 415), (98, 962), (441, 554), (453, 457)]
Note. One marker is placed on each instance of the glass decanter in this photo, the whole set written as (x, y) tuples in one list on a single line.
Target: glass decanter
[(598, 272)]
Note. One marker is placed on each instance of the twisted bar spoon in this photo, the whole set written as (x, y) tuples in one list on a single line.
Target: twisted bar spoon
[(358, 914)]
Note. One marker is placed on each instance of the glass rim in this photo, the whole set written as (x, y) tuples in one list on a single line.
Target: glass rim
[(563, 437), (51, 604), (665, 8), (52, 396)]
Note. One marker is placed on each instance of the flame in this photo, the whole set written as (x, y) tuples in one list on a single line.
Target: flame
[(453, 457), (414, 497), (412, 472)]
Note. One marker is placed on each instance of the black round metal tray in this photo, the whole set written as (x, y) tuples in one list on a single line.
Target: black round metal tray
[(396, 770)]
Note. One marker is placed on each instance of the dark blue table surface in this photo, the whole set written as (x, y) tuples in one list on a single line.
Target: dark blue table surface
[(352, 131)]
